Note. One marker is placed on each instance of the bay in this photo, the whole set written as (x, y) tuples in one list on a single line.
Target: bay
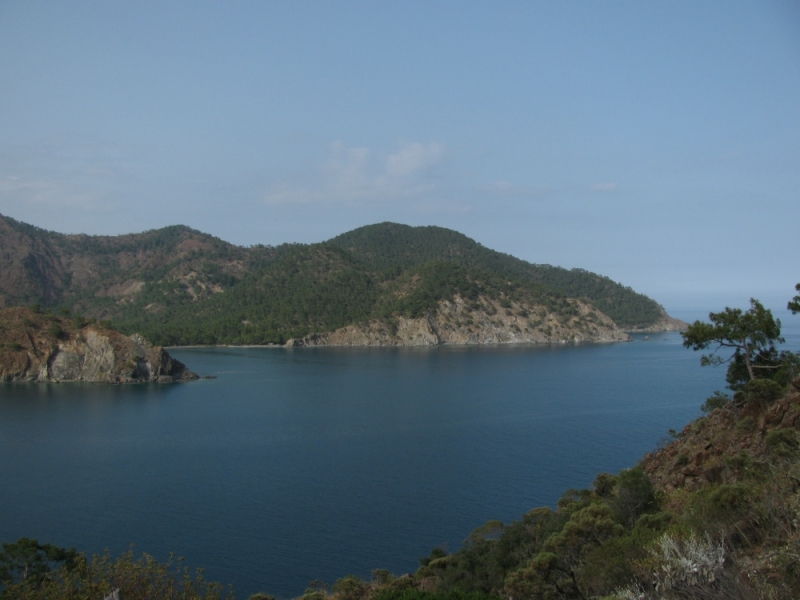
[(302, 464)]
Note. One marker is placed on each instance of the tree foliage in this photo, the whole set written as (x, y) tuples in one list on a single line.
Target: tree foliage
[(794, 303), (388, 246), (46, 572), (180, 286), (28, 562), (752, 335)]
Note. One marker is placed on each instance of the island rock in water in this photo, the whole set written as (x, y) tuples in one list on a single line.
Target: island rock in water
[(48, 348)]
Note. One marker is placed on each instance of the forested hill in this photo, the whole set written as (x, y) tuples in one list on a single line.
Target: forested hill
[(177, 285), (388, 246)]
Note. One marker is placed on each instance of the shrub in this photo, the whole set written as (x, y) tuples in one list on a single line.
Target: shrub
[(634, 496), (415, 594), (783, 442), (613, 564), (654, 522), (729, 497), (435, 553), (349, 588), (133, 579), (721, 506), (382, 576), (745, 425), (604, 484), (686, 562), (716, 400), (762, 389), (740, 461)]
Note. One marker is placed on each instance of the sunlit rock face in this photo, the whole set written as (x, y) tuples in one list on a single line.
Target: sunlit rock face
[(46, 348), (459, 322)]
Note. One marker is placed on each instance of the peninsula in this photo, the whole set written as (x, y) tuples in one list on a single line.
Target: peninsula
[(384, 284)]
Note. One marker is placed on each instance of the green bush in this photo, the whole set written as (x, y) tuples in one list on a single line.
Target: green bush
[(762, 389), (415, 594), (605, 484), (435, 553), (382, 576), (716, 400), (136, 579), (634, 496), (611, 566), (349, 588), (745, 425), (740, 462), (783, 442), (721, 506)]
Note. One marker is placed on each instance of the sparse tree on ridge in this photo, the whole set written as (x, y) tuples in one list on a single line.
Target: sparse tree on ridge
[(752, 335), (794, 303)]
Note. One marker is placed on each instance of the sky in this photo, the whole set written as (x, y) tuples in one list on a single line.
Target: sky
[(657, 143)]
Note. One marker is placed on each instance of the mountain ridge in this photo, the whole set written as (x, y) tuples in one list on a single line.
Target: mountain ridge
[(179, 286)]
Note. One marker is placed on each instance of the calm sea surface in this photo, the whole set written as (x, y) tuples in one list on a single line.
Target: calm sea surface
[(295, 465)]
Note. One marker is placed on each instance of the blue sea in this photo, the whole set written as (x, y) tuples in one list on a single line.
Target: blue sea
[(295, 465)]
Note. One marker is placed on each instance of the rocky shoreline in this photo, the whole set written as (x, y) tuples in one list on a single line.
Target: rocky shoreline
[(485, 321), (36, 347)]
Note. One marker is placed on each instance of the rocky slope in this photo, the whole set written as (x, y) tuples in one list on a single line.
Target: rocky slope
[(47, 348), (708, 449), (663, 323), (485, 321)]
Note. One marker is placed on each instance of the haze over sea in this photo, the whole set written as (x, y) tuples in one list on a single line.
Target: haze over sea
[(302, 464)]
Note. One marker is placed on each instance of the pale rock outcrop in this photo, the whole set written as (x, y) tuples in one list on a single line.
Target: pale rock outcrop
[(461, 322), (41, 348), (107, 359)]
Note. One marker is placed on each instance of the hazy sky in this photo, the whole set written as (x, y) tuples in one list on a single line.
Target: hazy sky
[(657, 143)]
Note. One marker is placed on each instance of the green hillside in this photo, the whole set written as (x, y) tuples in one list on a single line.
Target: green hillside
[(388, 246), (313, 289), (180, 286)]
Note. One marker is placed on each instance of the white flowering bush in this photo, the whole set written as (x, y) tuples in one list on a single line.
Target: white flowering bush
[(687, 562), (632, 592)]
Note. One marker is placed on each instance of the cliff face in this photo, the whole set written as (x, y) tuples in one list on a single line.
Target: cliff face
[(664, 323), (459, 322), (40, 347)]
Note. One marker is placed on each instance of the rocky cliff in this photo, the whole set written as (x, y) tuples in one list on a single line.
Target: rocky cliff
[(485, 321), (663, 323), (42, 347)]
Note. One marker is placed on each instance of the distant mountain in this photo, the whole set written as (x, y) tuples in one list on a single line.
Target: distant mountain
[(387, 246), (180, 286)]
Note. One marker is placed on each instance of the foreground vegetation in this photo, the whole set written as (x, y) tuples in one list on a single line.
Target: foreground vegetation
[(714, 514)]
